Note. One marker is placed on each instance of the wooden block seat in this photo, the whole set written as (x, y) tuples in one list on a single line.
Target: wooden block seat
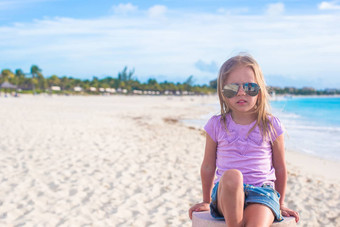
[(204, 219)]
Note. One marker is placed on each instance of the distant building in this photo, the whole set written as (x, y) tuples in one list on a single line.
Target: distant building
[(110, 90), (55, 88), (77, 89), (137, 92), (330, 90), (308, 89), (290, 89)]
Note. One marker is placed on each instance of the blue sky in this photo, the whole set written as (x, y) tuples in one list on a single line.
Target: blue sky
[(296, 42)]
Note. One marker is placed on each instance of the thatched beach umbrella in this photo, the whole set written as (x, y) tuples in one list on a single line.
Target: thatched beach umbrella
[(8, 85)]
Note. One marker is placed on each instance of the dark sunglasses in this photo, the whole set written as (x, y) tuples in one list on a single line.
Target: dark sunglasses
[(231, 90)]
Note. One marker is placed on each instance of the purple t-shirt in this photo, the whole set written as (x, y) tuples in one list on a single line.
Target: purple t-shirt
[(252, 155)]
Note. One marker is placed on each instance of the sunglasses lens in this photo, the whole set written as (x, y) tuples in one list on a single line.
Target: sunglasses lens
[(251, 89), (230, 90)]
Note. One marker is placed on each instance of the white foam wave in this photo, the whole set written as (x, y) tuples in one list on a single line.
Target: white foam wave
[(323, 129)]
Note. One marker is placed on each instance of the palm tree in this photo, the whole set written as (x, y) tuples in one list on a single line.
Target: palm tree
[(7, 74), (35, 70), (126, 76), (20, 77)]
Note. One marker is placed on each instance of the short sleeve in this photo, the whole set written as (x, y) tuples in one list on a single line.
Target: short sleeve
[(278, 127), (211, 127)]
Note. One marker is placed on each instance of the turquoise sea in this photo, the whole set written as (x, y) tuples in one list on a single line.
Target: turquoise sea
[(312, 124)]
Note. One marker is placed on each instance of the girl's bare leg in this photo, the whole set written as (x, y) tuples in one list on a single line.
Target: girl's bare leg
[(258, 215), (230, 197)]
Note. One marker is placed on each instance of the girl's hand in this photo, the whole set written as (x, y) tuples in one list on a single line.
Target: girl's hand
[(199, 207), (286, 212)]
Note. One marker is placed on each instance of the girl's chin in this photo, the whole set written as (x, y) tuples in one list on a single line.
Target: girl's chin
[(243, 110)]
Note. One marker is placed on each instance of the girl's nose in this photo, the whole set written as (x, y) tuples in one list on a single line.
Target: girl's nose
[(241, 90)]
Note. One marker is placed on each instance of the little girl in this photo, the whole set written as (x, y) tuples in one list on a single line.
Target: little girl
[(246, 145)]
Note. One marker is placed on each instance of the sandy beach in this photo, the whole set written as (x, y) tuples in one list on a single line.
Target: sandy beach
[(125, 161)]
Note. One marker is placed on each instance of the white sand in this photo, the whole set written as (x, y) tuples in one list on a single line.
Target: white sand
[(124, 161)]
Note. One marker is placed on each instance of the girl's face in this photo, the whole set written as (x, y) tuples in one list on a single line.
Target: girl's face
[(242, 102)]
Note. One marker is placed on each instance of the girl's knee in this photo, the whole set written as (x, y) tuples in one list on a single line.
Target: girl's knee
[(231, 179), (257, 215)]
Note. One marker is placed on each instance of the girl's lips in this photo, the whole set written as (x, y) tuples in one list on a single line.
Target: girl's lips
[(241, 101)]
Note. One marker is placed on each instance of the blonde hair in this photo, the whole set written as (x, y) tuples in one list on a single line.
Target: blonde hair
[(262, 110)]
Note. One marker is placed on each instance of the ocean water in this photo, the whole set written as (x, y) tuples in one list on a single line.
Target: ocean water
[(312, 124)]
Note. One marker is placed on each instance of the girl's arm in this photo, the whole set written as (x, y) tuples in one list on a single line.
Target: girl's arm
[(279, 163), (280, 167), (208, 168)]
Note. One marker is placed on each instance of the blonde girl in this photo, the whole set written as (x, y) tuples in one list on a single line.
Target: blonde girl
[(243, 172)]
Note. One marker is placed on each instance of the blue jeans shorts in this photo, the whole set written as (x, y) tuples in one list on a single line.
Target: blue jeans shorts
[(265, 195)]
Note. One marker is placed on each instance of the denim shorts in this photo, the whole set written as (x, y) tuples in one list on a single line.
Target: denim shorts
[(265, 195)]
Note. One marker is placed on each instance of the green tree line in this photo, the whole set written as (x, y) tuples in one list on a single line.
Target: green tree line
[(302, 91), (34, 81)]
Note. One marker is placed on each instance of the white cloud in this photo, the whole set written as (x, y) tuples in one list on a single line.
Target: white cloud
[(329, 6), (275, 9), (173, 47), (124, 8), (206, 67), (157, 11), (233, 10)]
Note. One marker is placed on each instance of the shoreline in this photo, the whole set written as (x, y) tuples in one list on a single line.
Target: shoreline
[(161, 95), (292, 143), (300, 161)]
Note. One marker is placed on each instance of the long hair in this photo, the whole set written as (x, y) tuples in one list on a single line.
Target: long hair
[(262, 110)]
